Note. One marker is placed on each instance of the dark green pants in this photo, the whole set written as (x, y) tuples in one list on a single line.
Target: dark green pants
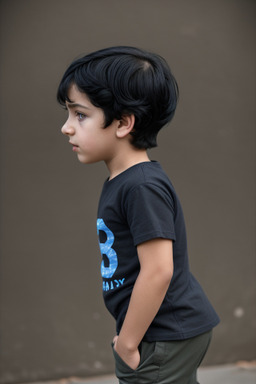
[(165, 362)]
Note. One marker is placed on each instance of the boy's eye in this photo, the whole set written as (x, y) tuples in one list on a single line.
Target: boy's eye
[(80, 116)]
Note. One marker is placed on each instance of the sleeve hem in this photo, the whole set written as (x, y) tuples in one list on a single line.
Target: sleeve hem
[(154, 235)]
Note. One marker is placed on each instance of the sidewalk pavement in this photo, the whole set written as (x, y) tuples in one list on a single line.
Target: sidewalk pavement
[(240, 373)]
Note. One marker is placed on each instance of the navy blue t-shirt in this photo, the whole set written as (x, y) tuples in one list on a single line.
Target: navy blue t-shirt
[(141, 204)]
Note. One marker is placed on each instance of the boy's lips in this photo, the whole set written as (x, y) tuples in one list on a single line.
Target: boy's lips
[(74, 146)]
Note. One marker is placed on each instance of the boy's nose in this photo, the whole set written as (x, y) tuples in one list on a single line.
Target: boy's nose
[(67, 129)]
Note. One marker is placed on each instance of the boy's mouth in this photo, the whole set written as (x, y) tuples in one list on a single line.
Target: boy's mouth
[(74, 146)]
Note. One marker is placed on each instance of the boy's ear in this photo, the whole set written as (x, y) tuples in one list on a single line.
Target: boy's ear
[(125, 125)]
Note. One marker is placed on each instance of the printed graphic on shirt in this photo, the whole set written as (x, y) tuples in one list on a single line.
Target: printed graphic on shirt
[(107, 250), (112, 284), (109, 262)]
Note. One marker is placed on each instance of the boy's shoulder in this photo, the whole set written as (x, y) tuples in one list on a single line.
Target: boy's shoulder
[(140, 174), (146, 177), (137, 191), (148, 174)]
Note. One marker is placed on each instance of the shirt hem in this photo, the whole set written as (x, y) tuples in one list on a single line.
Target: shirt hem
[(180, 335)]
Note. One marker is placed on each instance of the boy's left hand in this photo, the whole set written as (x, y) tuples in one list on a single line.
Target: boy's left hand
[(131, 358)]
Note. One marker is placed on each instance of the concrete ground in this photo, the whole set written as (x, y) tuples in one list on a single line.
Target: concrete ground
[(225, 374)]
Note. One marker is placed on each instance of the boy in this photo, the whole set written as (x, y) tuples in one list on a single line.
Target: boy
[(118, 99)]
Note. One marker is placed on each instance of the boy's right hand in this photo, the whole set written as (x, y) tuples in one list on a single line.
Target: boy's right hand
[(130, 357)]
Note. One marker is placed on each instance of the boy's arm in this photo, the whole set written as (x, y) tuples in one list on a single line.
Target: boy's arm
[(156, 261)]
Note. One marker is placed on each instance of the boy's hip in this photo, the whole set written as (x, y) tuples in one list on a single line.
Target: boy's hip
[(165, 362)]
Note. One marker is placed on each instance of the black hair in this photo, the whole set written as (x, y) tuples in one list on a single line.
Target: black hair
[(123, 81)]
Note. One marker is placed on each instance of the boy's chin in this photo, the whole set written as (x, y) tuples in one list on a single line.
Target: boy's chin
[(85, 160)]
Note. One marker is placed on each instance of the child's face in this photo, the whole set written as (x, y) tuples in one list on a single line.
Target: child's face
[(85, 128)]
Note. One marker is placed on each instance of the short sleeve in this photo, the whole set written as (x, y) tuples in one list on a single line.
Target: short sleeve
[(150, 212)]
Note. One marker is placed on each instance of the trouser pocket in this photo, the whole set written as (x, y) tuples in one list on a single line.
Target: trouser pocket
[(151, 355)]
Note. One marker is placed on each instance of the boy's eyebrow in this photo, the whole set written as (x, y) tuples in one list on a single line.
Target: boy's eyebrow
[(75, 105)]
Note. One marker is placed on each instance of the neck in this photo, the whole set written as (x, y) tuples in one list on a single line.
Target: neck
[(123, 161)]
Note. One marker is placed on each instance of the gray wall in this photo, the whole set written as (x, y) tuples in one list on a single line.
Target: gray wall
[(53, 321)]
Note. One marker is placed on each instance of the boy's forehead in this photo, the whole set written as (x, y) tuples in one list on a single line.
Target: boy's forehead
[(75, 96)]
